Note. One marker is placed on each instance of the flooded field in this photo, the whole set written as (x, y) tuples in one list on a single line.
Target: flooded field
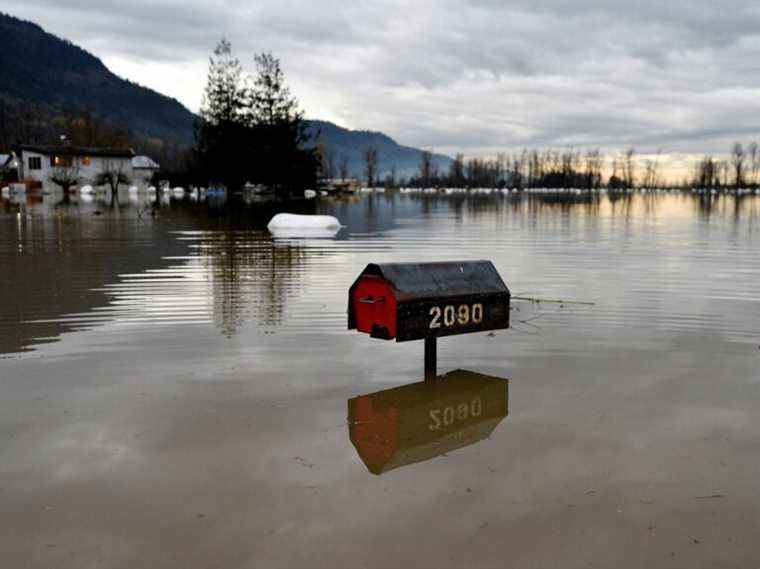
[(178, 389)]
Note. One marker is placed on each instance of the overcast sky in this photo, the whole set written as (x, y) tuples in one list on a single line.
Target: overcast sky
[(477, 76)]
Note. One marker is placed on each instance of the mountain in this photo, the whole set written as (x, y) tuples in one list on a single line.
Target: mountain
[(351, 144), (42, 69), (55, 75)]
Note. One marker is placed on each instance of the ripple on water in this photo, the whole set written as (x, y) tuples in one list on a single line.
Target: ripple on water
[(658, 269)]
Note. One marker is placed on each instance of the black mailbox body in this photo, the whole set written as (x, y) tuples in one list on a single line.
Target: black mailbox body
[(413, 301)]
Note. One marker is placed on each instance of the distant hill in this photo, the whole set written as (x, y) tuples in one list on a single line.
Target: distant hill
[(39, 68), (351, 144)]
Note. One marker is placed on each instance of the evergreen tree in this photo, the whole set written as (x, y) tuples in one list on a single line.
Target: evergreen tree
[(223, 97), (282, 159), (269, 99), (220, 135)]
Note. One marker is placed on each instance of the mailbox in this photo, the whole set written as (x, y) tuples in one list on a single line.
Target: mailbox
[(417, 422), (414, 301)]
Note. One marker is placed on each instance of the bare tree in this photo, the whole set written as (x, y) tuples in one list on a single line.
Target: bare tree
[(66, 174), (723, 169), (426, 163), (113, 175), (650, 171), (390, 178), (706, 174), (629, 168), (500, 168), (327, 160), (343, 168), (517, 178), (370, 165), (754, 162), (737, 161), (456, 171), (595, 166), (434, 172)]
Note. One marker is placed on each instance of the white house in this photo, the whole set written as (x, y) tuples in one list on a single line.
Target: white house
[(144, 168), (37, 164)]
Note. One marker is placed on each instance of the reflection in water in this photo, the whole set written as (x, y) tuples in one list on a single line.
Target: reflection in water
[(71, 265), (306, 232), (156, 410), (251, 276), (58, 263), (417, 422)]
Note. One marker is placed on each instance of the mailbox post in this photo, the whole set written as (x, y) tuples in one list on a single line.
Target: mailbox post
[(424, 301), (431, 358)]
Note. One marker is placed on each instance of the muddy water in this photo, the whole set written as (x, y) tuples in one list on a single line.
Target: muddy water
[(176, 386)]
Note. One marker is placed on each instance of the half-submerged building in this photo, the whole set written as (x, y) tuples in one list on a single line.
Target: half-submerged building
[(144, 169), (39, 165)]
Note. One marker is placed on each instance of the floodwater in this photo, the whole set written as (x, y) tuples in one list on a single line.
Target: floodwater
[(178, 389)]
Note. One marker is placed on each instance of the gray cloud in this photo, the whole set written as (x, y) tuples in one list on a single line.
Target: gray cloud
[(477, 76)]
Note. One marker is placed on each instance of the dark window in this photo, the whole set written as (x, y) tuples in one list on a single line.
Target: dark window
[(35, 163)]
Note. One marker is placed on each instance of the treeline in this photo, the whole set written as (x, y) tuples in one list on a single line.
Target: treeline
[(589, 169), (527, 169), (740, 169)]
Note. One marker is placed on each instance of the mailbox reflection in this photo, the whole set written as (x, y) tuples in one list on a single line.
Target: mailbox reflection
[(417, 422)]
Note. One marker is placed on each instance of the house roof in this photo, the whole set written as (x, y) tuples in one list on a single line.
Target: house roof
[(144, 162), (79, 151), (8, 161)]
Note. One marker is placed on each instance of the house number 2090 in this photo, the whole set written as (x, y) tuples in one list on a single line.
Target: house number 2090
[(450, 315)]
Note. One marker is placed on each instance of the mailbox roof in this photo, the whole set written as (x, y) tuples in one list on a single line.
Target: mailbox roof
[(413, 281)]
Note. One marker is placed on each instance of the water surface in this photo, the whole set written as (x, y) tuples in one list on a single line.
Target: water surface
[(175, 386)]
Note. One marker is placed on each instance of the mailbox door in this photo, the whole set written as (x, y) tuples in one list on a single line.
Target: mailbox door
[(447, 316), (375, 307)]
